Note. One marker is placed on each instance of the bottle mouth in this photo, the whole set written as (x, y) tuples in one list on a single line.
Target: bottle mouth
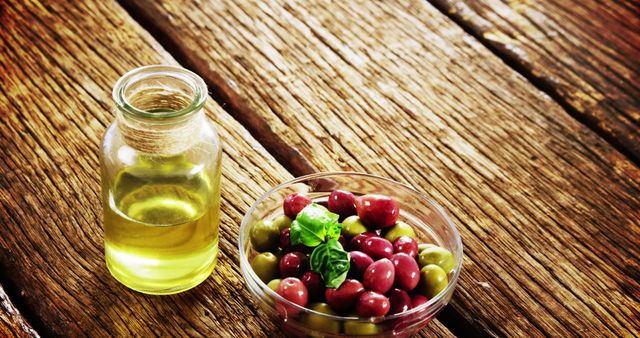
[(159, 91)]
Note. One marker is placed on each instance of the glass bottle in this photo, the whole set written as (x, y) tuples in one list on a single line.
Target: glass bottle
[(160, 164)]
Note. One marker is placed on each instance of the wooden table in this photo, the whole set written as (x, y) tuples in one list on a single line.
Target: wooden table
[(522, 118)]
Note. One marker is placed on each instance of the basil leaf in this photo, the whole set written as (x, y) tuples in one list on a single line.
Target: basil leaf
[(331, 261), (333, 231), (311, 224)]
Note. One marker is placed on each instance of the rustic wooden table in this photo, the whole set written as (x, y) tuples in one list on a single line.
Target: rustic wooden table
[(522, 118)]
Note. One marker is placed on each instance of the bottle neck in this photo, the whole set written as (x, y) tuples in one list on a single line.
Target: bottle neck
[(160, 109)]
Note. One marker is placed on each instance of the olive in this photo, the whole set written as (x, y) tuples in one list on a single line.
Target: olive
[(433, 279), (293, 290), (424, 246), (294, 203), (319, 322), (399, 301), (343, 241), (265, 265), (377, 247), (379, 276), (407, 271), (438, 256), (405, 244), (359, 262), (294, 264), (352, 226), (282, 222), (343, 297), (342, 203), (314, 284), (264, 236), (355, 328), (274, 284), (372, 304), (399, 229), (377, 211), (417, 300), (285, 242), (357, 241)]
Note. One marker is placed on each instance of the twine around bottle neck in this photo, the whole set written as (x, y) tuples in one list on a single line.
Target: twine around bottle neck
[(166, 137)]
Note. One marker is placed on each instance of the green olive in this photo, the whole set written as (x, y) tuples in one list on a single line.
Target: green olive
[(355, 328), (438, 256), (265, 265), (352, 226), (264, 236), (433, 280), (321, 323), (282, 222), (400, 229), (274, 284), (424, 246)]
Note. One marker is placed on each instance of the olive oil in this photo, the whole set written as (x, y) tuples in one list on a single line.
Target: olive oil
[(161, 225)]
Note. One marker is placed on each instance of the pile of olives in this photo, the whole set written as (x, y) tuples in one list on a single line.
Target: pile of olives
[(389, 272)]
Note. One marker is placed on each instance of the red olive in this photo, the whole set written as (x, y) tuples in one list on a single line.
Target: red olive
[(359, 263), (294, 264), (405, 244), (294, 203), (293, 290), (342, 203), (343, 298), (400, 301), (377, 211), (357, 240), (285, 242), (343, 241), (372, 304), (377, 247), (314, 284), (417, 300), (379, 276), (407, 271)]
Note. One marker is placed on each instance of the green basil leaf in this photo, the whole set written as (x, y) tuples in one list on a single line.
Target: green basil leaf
[(333, 231), (331, 261), (311, 224)]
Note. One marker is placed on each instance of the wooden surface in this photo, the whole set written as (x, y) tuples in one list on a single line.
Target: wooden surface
[(549, 211), (584, 53), (12, 323)]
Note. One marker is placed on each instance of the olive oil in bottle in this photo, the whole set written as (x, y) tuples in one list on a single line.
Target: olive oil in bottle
[(161, 182)]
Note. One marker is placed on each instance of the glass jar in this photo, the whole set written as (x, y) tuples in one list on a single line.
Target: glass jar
[(160, 164)]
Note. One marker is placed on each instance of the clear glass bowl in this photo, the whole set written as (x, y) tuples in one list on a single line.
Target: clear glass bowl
[(427, 218)]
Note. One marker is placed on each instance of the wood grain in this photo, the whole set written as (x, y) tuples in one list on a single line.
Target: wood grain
[(585, 54), (548, 210), (12, 323), (59, 61)]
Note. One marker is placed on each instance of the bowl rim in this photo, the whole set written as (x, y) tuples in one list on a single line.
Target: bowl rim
[(246, 266)]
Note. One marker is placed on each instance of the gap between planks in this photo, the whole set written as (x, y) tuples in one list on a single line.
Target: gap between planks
[(543, 84), (290, 158)]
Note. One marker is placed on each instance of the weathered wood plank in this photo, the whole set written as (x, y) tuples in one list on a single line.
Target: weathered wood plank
[(584, 53), (58, 62), (549, 212), (12, 323)]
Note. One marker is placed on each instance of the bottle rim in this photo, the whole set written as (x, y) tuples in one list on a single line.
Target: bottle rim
[(195, 82)]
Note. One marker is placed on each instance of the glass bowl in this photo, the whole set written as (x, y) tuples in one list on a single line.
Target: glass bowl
[(428, 220)]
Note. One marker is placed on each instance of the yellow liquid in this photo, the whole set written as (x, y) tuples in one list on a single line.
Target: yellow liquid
[(161, 232)]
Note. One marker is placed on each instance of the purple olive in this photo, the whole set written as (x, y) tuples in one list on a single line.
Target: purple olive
[(377, 211), (372, 304), (294, 203), (358, 240), (379, 276), (377, 247), (359, 263), (314, 284), (405, 244), (294, 264), (343, 298), (417, 300), (400, 301), (342, 203), (293, 290), (407, 271)]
